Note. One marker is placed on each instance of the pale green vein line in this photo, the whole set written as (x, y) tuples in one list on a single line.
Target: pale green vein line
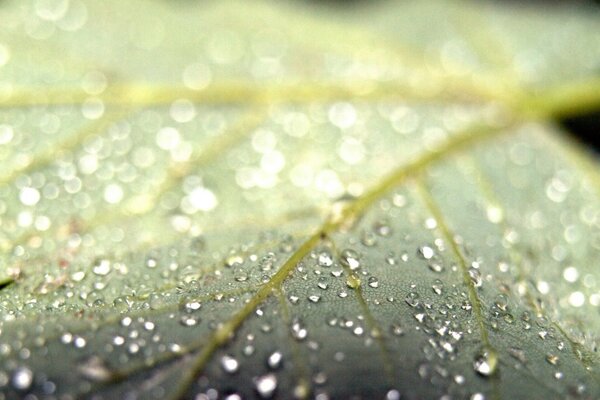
[(244, 93), (487, 190), (223, 334), (372, 323), (303, 386), (140, 205), (49, 154), (585, 357), (476, 303), (99, 319)]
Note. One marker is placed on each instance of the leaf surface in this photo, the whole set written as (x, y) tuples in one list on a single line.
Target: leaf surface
[(285, 200)]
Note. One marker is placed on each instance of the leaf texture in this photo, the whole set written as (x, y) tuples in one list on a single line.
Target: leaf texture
[(278, 200)]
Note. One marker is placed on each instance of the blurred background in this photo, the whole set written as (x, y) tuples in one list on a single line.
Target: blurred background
[(585, 128)]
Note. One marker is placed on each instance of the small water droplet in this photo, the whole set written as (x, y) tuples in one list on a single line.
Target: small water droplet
[(552, 359), (368, 239), (314, 298), (95, 369), (382, 228), (266, 385), (299, 332), (274, 360), (324, 259), (501, 302), (188, 320), (412, 299), (475, 276), (349, 258), (426, 252), (229, 364), (486, 362), (322, 283), (373, 282), (101, 267), (438, 286)]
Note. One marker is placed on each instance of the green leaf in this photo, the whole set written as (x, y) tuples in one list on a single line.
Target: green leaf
[(272, 199)]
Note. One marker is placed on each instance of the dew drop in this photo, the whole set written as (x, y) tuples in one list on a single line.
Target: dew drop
[(22, 378), (412, 299), (102, 267), (322, 283), (314, 298), (552, 359), (298, 330), (475, 276), (426, 252), (349, 258), (438, 286), (373, 282), (274, 360), (229, 364), (324, 259), (266, 385), (382, 228), (501, 302), (188, 320), (368, 239), (436, 267), (485, 363), (94, 369)]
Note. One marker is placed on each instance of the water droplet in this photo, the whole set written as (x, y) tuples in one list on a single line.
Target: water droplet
[(430, 223), (397, 330), (151, 262), (229, 364), (435, 267), (22, 378), (426, 252), (234, 260), (324, 259), (501, 302), (101, 267), (391, 259), (188, 320), (438, 286), (475, 276), (298, 330), (368, 239), (314, 298), (274, 360), (552, 359), (486, 362), (382, 229), (349, 258), (412, 299), (322, 283), (266, 385), (95, 369), (373, 282)]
